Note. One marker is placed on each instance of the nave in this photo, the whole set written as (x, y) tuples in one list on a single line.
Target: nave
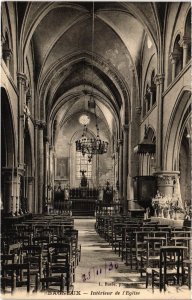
[(95, 148), (58, 255)]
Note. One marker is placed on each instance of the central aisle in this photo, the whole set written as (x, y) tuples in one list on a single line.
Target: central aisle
[(102, 274)]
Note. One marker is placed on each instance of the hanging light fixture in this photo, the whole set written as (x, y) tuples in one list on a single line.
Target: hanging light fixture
[(85, 145)]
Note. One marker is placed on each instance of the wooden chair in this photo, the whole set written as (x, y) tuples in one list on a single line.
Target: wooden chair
[(9, 258), (60, 255), (15, 275), (170, 268), (55, 269), (150, 256), (33, 254), (42, 284)]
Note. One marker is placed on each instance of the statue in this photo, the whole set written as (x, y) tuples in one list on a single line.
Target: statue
[(83, 179)]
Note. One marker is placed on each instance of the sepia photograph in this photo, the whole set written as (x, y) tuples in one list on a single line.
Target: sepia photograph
[(96, 150)]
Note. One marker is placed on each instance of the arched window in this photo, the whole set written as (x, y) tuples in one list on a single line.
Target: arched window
[(83, 163), (178, 55)]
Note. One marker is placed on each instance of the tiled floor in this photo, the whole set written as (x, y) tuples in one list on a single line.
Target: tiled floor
[(101, 273)]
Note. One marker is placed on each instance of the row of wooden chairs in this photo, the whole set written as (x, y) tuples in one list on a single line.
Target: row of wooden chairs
[(42, 252), (138, 243)]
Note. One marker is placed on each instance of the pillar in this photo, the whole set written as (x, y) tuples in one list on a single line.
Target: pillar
[(11, 190), (174, 57), (185, 44), (22, 79), (35, 203), (46, 169), (165, 181), (40, 165), (159, 80), (120, 148), (125, 164), (29, 203)]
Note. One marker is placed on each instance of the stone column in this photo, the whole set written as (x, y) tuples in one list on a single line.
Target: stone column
[(185, 43), (40, 165), (35, 203), (51, 177), (125, 164), (120, 149), (159, 82), (22, 79), (46, 168), (165, 181), (9, 190), (174, 57), (30, 195)]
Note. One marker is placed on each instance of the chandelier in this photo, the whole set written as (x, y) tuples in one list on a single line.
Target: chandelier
[(87, 145), (91, 146)]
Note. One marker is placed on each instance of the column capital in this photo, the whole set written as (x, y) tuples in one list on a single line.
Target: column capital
[(159, 79), (120, 142), (16, 170), (22, 78), (184, 41), (125, 127), (166, 177), (40, 124), (138, 110)]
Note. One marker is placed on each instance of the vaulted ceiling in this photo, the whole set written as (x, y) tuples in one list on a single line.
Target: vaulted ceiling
[(69, 68)]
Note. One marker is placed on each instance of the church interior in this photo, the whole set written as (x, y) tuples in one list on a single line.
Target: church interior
[(96, 149)]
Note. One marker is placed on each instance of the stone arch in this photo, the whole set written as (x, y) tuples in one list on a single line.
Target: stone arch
[(108, 70), (8, 145), (8, 151), (9, 40), (179, 113), (187, 33), (29, 170), (184, 159), (147, 83)]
